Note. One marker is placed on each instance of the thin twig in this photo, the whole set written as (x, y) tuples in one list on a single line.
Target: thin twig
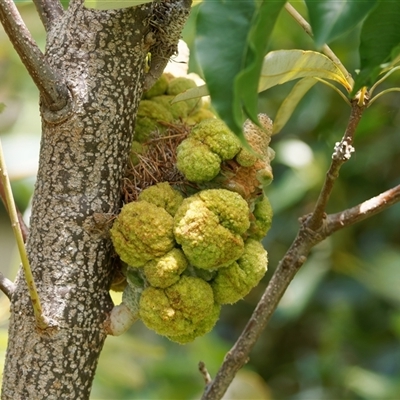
[(362, 211), (54, 92), (24, 228), (342, 153), (41, 320), (6, 286), (325, 48), (204, 372), (48, 11)]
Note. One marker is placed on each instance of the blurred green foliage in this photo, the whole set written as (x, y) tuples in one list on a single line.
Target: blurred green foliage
[(336, 332)]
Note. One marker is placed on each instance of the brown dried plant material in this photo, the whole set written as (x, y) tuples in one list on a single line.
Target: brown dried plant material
[(157, 163)]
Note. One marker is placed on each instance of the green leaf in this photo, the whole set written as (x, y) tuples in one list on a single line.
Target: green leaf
[(290, 103), (246, 83), (193, 93), (230, 35), (379, 42), (282, 66), (110, 5), (331, 19), (2, 107)]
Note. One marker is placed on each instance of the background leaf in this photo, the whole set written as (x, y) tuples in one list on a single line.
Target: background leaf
[(246, 84), (193, 93), (282, 66), (290, 103), (379, 41), (230, 35), (331, 19)]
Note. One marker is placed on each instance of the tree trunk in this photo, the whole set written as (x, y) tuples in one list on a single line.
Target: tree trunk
[(101, 56)]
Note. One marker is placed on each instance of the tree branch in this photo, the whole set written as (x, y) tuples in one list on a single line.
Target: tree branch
[(48, 11), (6, 286), (362, 211), (314, 228), (341, 154), (287, 268), (54, 93)]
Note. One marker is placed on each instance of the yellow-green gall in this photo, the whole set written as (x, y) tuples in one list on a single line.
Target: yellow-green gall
[(164, 196), (179, 309), (201, 329), (232, 210), (246, 158), (136, 150), (148, 119), (198, 116), (218, 137), (196, 161), (166, 270), (209, 230), (142, 232), (180, 85), (153, 110), (178, 110), (236, 280), (158, 89), (262, 221)]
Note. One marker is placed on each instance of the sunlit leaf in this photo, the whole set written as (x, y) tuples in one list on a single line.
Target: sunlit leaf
[(193, 93), (331, 19), (109, 5), (282, 66), (290, 103), (379, 42)]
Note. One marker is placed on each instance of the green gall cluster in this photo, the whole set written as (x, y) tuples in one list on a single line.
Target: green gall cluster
[(209, 226), (149, 118), (188, 256), (137, 150), (209, 143), (179, 85), (166, 270), (196, 161), (158, 89), (262, 218), (236, 280), (190, 251), (162, 195), (179, 110), (157, 108), (142, 232), (179, 311)]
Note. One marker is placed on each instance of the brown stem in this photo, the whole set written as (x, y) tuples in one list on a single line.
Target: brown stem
[(341, 154), (48, 11), (283, 275), (314, 228), (6, 286), (54, 93), (362, 211)]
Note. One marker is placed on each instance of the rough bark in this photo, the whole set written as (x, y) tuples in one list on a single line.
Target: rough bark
[(100, 55)]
